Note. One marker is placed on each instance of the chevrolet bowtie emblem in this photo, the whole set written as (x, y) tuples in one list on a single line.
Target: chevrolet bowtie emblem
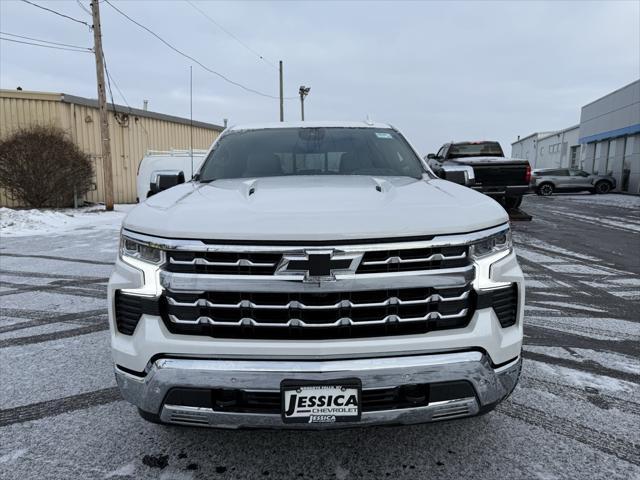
[(319, 265)]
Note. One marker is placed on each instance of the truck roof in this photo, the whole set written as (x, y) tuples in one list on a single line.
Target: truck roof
[(313, 124)]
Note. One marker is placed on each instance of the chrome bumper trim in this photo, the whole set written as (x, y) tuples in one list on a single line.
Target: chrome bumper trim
[(196, 416), (148, 393)]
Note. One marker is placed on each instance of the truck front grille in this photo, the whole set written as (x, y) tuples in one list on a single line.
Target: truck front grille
[(265, 263), (310, 315)]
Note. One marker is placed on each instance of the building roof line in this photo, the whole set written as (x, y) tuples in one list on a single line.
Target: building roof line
[(559, 132), (91, 102), (610, 93), (543, 135), (534, 135)]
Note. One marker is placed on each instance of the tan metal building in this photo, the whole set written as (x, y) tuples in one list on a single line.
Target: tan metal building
[(133, 132)]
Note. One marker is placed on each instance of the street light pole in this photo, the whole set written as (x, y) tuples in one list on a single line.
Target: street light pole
[(304, 91)]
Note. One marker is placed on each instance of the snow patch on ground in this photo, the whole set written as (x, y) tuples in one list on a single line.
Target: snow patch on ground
[(574, 306), (126, 470), (624, 201), (12, 456), (519, 238), (617, 361), (578, 378), (621, 223), (20, 223), (635, 282), (536, 257), (578, 268), (598, 327)]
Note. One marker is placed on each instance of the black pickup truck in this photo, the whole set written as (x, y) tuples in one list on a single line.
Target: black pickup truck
[(504, 179)]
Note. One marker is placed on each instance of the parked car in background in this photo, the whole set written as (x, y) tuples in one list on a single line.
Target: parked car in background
[(158, 167), (504, 179), (548, 180)]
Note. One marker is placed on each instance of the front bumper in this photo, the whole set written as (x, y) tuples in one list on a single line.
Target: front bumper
[(148, 393)]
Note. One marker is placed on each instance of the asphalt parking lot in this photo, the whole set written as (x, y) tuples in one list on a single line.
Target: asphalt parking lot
[(575, 413)]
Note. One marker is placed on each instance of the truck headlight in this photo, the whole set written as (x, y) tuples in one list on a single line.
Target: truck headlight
[(485, 253), (496, 243), (145, 258), (141, 251)]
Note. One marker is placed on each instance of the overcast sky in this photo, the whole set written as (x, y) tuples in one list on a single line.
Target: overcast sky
[(436, 70)]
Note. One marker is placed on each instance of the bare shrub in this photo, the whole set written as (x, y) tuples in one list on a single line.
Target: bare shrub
[(41, 167)]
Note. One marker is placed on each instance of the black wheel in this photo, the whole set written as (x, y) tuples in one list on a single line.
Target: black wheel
[(150, 417), (545, 189), (603, 187), (512, 202)]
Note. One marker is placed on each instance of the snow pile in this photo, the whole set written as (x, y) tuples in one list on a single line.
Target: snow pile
[(17, 223)]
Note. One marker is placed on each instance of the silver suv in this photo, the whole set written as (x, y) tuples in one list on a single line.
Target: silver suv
[(548, 180)]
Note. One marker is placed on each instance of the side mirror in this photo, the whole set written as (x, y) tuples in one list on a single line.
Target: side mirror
[(164, 179), (460, 174), (431, 156)]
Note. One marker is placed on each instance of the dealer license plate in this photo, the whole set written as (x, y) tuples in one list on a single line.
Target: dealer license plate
[(321, 402)]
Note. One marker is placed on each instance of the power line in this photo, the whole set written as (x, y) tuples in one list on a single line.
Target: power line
[(44, 41), (111, 79), (84, 50), (57, 13), (226, 79), (83, 8), (261, 57)]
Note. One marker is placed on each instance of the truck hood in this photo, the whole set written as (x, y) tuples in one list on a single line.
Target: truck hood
[(314, 208)]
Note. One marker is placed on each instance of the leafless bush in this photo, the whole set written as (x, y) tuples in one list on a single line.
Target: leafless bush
[(40, 166)]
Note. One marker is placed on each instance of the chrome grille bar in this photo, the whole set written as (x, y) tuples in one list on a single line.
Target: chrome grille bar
[(202, 302), (294, 322), (242, 262), (430, 258)]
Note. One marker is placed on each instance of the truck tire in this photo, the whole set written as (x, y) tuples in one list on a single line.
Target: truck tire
[(512, 202), (603, 187), (546, 189)]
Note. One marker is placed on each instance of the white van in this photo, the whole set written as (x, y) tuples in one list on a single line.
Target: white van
[(166, 161)]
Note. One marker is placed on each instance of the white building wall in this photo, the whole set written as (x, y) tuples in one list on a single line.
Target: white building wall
[(525, 149), (555, 151), (610, 136), (549, 149)]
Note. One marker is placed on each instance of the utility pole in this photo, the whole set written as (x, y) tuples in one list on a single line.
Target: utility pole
[(191, 116), (102, 105), (304, 91), (281, 95)]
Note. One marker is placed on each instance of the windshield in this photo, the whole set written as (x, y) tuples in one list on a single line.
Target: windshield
[(479, 149), (310, 151)]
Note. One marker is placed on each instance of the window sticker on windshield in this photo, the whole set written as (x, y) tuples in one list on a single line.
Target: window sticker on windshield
[(383, 135)]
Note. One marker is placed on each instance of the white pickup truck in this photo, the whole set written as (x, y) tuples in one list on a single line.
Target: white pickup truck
[(315, 275)]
